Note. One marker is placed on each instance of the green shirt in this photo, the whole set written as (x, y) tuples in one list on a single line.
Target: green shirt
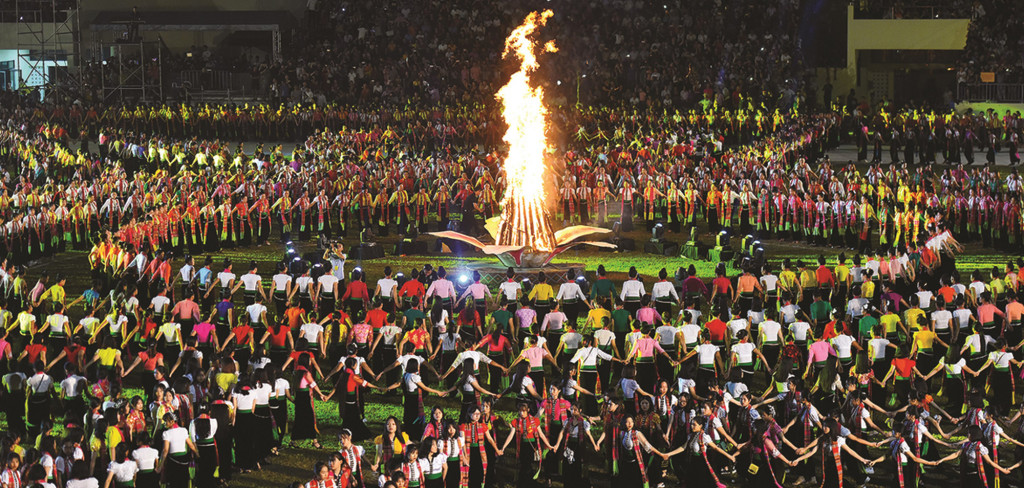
[(866, 324), (620, 319), (501, 318), (411, 316), (820, 310), (602, 288)]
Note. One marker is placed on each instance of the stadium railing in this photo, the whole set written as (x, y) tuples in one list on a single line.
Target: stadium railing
[(991, 92)]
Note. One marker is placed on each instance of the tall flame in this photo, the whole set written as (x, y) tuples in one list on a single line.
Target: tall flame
[(524, 219)]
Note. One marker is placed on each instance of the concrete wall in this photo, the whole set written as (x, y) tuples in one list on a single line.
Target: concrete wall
[(884, 34)]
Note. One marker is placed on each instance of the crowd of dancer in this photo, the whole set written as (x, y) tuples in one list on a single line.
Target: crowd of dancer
[(808, 372), (414, 171)]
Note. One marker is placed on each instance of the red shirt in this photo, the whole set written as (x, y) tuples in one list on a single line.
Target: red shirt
[(412, 288), (717, 329), (721, 284), (294, 316), (279, 336), (356, 289), (419, 338), (149, 362), (904, 367), (243, 335), (72, 353), (492, 345), (34, 351), (376, 318), (295, 356), (825, 277)]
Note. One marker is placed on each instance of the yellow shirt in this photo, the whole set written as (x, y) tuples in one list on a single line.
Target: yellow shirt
[(599, 317), (788, 278), (842, 273), (400, 443), (911, 316), (55, 293), (924, 339), (867, 289), (890, 320), (107, 356), (226, 380), (542, 293), (808, 279)]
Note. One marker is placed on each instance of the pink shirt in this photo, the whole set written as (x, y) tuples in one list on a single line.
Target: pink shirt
[(819, 351), (203, 331), (361, 333), (535, 356), (648, 315), (645, 347), (478, 290), (526, 317)]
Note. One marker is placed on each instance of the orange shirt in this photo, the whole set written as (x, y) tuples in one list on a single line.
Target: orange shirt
[(294, 316), (746, 283), (1014, 310)]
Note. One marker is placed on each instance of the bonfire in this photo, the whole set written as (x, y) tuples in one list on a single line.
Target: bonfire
[(523, 234)]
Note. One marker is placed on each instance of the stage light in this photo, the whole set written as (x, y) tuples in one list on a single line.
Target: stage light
[(357, 268), (580, 278), (289, 244), (463, 279), (657, 232), (400, 275)]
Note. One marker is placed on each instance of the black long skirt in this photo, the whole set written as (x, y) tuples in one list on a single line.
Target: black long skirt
[(246, 455), (305, 426)]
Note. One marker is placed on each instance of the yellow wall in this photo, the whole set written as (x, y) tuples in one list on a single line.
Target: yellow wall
[(874, 34)]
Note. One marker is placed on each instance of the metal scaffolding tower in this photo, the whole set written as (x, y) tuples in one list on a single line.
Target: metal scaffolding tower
[(49, 46), (132, 71)]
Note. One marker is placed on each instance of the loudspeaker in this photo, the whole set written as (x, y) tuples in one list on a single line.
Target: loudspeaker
[(624, 244), (407, 247), (368, 250), (662, 247)]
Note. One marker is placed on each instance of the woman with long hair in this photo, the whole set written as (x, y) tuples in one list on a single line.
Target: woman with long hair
[(280, 394), (470, 388), (905, 462), (476, 434), (176, 455), (203, 433), (452, 446), (305, 423), (122, 470), (350, 386), (413, 416), (266, 434), (833, 447), (1000, 379), (953, 389), (413, 467), (973, 457), (571, 444), (245, 428), (627, 455), (499, 351), (436, 462), (390, 445), (522, 385), (526, 431)]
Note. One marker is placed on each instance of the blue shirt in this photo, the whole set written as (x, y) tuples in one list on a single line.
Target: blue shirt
[(204, 275)]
